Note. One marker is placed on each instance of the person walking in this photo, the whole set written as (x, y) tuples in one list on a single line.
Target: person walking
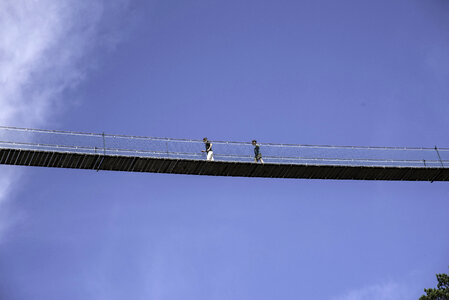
[(257, 154), (209, 152)]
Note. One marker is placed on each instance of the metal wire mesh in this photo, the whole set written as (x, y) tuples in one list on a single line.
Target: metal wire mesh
[(108, 144)]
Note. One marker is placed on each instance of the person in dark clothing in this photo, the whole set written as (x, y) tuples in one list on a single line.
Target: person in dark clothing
[(257, 154), (210, 153)]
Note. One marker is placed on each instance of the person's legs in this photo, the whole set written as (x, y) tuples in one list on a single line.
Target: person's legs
[(210, 155)]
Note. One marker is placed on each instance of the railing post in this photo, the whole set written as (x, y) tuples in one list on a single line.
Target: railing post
[(104, 145), (104, 152), (439, 157)]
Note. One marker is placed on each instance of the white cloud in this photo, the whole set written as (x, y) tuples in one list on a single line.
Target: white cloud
[(384, 291), (44, 46)]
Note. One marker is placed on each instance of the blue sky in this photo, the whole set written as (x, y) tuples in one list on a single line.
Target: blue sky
[(310, 72)]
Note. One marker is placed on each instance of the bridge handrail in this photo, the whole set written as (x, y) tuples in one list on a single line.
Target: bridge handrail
[(443, 149), (118, 150)]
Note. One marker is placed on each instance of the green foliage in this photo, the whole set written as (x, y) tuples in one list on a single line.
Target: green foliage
[(442, 290)]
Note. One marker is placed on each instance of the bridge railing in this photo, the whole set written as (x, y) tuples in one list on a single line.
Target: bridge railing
[(109, 144)]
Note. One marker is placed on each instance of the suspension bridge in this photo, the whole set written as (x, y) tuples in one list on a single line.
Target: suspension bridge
[(99, 151)]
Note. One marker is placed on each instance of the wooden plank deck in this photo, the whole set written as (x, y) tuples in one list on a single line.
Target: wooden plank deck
[(216, 168)]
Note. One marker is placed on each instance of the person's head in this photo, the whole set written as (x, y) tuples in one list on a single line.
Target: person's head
[(205, 139), (254, 142)]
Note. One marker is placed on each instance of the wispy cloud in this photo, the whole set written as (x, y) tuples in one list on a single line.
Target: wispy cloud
[(44, 50), (383, 291)]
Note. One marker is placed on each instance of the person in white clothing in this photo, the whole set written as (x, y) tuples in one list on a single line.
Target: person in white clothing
[(210, 153)]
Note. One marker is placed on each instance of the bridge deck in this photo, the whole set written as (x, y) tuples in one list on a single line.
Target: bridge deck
[(89, 161)]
